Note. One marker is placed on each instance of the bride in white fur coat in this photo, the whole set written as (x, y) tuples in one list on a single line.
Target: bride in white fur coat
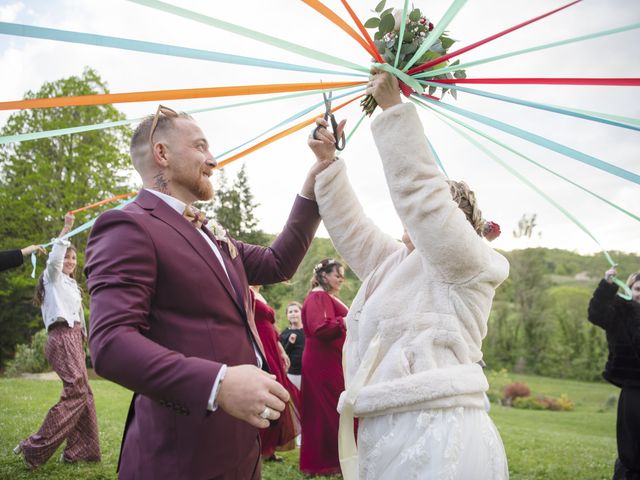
[(416, 326)]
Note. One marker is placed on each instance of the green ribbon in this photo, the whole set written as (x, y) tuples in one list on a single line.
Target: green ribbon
[(438, 30), (440, 71), (247, 32), (403, 26)]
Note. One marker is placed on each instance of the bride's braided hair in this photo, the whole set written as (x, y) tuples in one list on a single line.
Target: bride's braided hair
[(466, 200)]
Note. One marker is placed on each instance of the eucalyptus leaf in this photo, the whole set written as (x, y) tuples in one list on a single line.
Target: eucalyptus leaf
[(432, 89), (408, 36), (372, 22), (387, 23), (446, 42), (380, 6), (386, 12), (454, 94), (378, 36), (415, 15), (455, 63), (437, 47)]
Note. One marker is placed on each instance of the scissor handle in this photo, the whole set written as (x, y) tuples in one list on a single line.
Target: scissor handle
[(340, 142)]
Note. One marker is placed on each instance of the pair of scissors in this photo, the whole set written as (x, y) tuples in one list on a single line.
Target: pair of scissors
[(328, 115)]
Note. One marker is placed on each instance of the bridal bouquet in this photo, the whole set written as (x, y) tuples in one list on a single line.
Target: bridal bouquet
[(387, 22)]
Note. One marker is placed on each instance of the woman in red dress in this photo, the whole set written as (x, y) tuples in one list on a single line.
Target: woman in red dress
[(322, 380), (282, 433)]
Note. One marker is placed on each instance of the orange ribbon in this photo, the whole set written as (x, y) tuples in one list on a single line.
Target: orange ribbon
[(101, 202), (373, 51), (157, 95), (280, 135), (328, 13)]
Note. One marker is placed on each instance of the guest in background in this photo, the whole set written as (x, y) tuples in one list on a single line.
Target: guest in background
[(292, 340), (73, 418), (322, 379), (281, 434), (15, 258), (621, 321)]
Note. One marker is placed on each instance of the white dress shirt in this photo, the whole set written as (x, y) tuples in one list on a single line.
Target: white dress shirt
[(179, 206)]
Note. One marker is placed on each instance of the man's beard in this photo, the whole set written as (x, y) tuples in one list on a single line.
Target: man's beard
[(200, 187)]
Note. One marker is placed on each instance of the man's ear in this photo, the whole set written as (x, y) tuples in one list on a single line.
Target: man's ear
[(159, 155)]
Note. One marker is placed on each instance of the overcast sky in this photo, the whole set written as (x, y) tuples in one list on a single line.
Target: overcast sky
[(277, 171)]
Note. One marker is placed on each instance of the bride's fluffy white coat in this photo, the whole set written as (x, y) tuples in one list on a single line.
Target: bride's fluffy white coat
[(431, 305)]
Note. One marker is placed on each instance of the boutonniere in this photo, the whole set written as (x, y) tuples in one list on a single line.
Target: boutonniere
[(220, 234)]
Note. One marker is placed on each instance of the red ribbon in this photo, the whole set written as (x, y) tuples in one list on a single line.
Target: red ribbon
[(612, 82), (436, 61)]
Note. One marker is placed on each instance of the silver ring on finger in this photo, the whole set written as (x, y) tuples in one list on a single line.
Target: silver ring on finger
[(265, 413)]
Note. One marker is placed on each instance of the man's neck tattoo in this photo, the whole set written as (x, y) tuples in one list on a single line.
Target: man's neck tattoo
[(161, 184)]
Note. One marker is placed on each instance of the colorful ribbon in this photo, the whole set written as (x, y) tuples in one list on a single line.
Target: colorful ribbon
[(443, 58), (543, 142), (157, 95), (280, 135), (156, 48), (101, 202), (336, 20), (363, 31), (531, 185), (610, 82), (247, 32)]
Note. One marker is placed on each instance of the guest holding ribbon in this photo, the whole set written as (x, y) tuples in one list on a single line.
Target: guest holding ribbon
[(620, 319), (292, 339), (14, 258), (281, 434), (322, 381), (416, 325), (73, 418)]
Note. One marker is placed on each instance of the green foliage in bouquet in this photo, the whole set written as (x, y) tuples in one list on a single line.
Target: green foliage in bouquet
[(387, 23)]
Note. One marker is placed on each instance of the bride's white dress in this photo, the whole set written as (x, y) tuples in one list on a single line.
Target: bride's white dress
[(441, 444)]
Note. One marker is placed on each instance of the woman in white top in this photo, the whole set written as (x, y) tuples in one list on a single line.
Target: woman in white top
[(73, 418), (415, 327)]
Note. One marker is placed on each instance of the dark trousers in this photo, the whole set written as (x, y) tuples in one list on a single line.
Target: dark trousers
[(628, 433)]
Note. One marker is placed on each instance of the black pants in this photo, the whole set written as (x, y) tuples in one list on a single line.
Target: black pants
[(628, 434)]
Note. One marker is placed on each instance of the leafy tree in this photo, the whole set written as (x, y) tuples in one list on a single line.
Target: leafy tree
[(42, 179)]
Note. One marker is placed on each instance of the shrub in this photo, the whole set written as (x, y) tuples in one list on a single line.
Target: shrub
[(513, 391), (545, 403), (527, 403), (29, 358)]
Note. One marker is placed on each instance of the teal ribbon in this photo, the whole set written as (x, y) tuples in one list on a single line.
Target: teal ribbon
[(539, 165), (436, 156), (75, 231), (536, 105), (542, 141), (296, 116), (156, 48), (440, 71), (438, 30), (247, 32), (443, 117)]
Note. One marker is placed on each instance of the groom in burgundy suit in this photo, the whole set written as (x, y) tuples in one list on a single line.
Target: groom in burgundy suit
[(171, 317)]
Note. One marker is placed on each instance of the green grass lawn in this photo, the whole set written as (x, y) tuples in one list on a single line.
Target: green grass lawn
[(578, 445)]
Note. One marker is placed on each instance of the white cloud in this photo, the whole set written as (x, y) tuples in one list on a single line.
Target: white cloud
[(9, 12)]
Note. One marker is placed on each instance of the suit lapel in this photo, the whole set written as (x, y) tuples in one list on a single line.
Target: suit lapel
[(159, 209)]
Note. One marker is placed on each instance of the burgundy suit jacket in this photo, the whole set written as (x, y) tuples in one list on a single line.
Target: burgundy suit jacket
[(164, 318)]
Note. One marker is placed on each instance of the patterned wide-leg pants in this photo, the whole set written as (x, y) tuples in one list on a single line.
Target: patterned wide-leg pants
[(74, 416)]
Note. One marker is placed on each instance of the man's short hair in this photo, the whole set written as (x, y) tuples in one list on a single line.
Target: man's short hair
[(140, 135)]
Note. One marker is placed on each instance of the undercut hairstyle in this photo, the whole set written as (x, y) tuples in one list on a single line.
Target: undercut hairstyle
[(140, 137), (466, 200)]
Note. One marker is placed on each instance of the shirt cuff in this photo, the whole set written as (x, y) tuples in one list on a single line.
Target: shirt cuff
[(212, 405)]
